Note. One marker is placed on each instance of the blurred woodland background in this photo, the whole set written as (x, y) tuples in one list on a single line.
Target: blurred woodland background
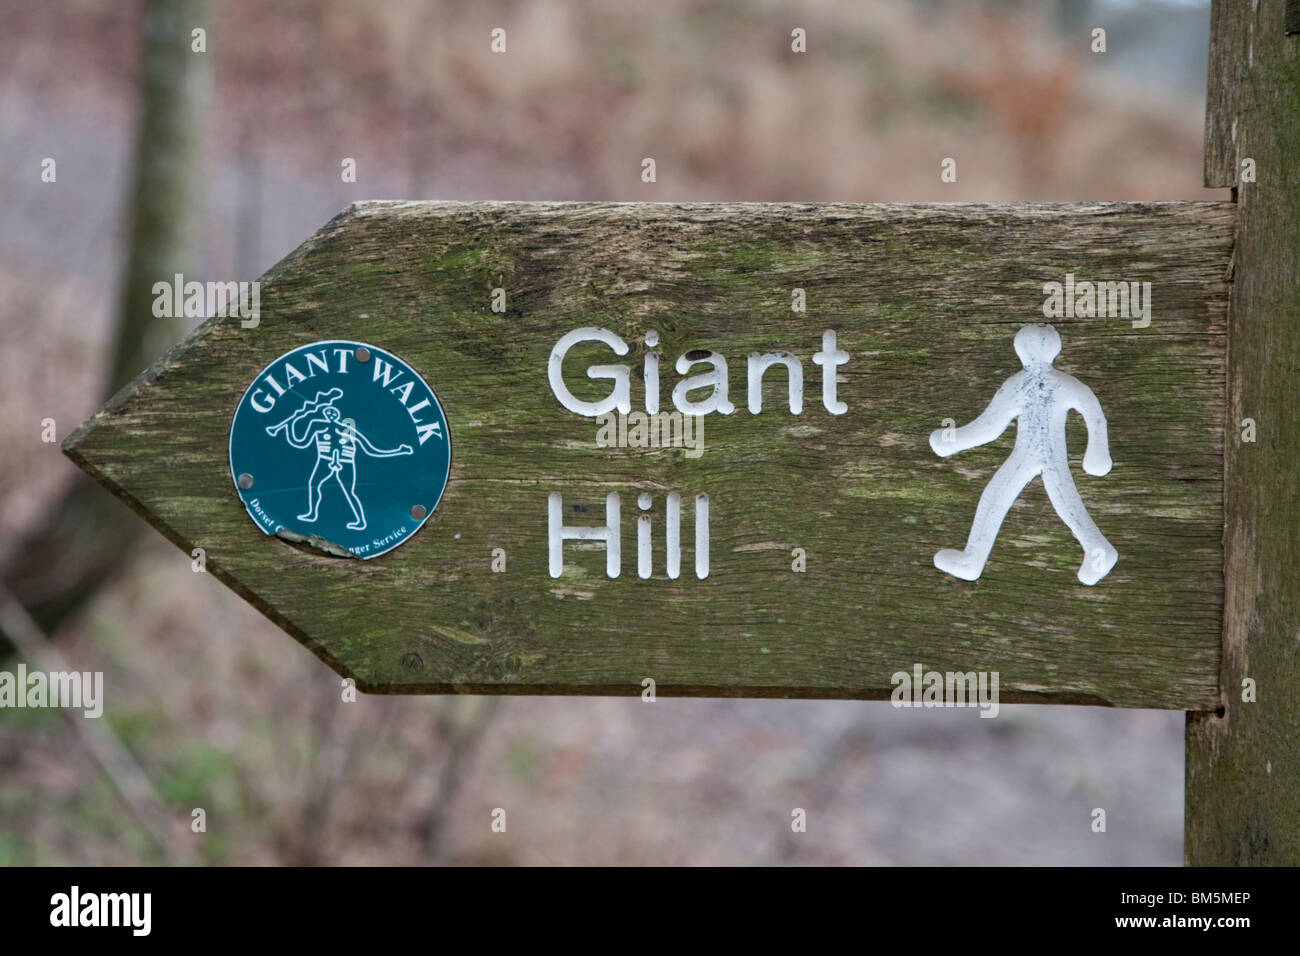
[(217, 164)]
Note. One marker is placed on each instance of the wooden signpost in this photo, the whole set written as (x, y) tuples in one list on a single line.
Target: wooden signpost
[(822, 526), (738, 450)]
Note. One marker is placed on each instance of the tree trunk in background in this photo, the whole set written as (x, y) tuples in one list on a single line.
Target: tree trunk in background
[(86, 534)]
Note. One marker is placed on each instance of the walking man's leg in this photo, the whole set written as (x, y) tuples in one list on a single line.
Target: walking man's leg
[(1098, 554), (1000, 493)]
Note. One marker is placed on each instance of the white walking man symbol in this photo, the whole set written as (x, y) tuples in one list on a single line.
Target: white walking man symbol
[(1040, 397), (337, 441)]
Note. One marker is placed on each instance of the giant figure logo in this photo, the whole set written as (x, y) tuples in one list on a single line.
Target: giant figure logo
[(343, 444)]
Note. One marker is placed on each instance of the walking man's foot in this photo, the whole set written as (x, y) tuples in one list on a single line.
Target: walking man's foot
[(1097, 564), (959, 564)]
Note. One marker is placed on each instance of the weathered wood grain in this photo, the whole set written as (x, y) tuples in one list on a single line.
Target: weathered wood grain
[(1243, 765), (1232, 28), (926, 300)]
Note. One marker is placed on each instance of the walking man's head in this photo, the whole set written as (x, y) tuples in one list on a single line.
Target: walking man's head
[(330, 412), (1037, 344)]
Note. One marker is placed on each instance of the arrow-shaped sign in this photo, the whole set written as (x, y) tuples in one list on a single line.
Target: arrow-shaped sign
[(568, 448)]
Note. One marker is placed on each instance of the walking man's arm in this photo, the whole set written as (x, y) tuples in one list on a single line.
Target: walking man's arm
[(1096, 457), (991, 423)]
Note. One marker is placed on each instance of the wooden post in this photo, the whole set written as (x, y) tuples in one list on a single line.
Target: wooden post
[(1243, 761)]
